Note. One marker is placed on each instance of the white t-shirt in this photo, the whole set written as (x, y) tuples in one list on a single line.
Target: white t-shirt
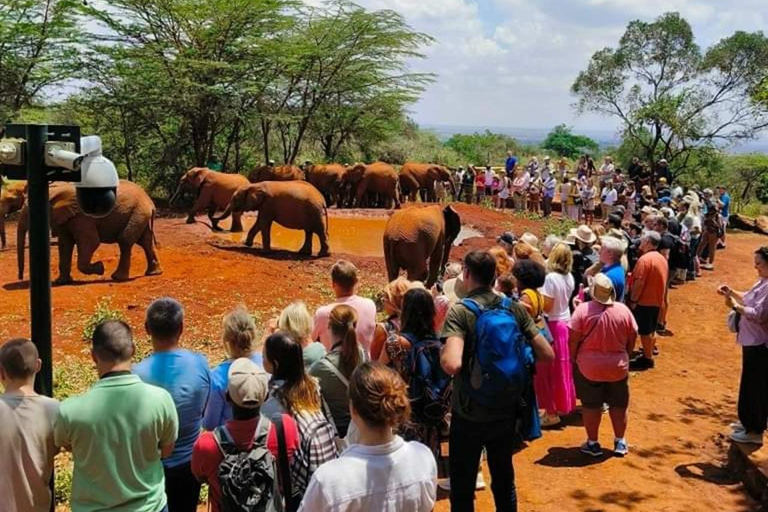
[(27, 450), (392, 477), (559, 288), (489, 175), (609, 196)]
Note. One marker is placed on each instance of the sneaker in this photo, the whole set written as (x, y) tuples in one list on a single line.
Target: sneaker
[(606, 408), (747, 438), (592, 449), (707, 266), (620, 447), (480, 482), (444, 484), (550, 420), (736, 426), (642, 363)]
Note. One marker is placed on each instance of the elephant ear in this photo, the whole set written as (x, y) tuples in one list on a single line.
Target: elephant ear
[(64, 206), (254, 198), (452, 224)]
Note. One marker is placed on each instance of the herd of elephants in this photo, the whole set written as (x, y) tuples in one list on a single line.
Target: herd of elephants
[(415, 240)]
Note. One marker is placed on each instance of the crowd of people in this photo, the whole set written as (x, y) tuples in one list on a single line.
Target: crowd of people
[(348, 409)]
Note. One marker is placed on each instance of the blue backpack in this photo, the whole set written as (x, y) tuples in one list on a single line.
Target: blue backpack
[(500, 365), (429, 387)]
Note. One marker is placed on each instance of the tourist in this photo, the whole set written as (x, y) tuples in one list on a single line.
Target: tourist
[(239, 338), (26, 439), (584, 255), (293, 391), (549, 183), (479, 186), (548, 244), (335, 369), (532, 166), (392, 303), (565, 198), (630, 200), (602, 335), (724, 201), (520, 189), (503, 261), (382, 472), (184, 374), (295, 319), (505, 193), (524, 251), (118, 431), (606, 171), (534, 194), (510, 164), (663, 172), (248, 429), (507, 241), (529, 277), (644, 177), (467, 184), (608, 198), (611, 251), (475, 426), (575, 201), (649, 284), (750, 310), (488, 177), (563, 169), (711, 233), (343, 282), (634, 169), (589, 198), (553, 379)]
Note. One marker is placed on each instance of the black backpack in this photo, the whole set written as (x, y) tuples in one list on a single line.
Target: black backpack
[(429, 387), (249, 478)]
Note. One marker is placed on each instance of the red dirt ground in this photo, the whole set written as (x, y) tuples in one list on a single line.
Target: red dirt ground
[(678, 410)]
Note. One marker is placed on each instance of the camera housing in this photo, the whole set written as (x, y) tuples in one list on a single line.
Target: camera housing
[(97, 188)]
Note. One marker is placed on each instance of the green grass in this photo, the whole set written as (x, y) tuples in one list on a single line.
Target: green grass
[(104, 311)]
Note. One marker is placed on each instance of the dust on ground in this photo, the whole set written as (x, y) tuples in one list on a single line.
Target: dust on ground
[(678, 411)]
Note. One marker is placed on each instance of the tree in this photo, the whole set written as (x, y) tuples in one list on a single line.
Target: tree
[(36, 50), (481, 148), (564, 142), (671, 97)]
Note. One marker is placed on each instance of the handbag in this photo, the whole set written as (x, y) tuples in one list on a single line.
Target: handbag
[(733, 320)]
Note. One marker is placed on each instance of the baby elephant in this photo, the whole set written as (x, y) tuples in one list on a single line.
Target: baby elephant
[(292, 204)]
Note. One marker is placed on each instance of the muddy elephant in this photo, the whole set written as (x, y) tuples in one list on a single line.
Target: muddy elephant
[(378, 179), (12, 196), (276, 173), (420, 179), (130, 222), (294, 205), (214, 190), (329, 180), (419, 241)]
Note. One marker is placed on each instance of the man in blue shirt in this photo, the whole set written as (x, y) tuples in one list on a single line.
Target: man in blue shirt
[(185, 376), (509, 165), (611, 251), (725, 212)]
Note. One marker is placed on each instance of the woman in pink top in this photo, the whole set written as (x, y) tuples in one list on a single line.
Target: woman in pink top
[(752, 309), (602, 333)]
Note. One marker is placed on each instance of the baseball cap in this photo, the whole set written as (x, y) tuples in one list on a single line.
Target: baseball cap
[(247, 386), (508, 237)]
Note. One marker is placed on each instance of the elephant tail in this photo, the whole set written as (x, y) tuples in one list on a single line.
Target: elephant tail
[(227, 213), (327, 225)]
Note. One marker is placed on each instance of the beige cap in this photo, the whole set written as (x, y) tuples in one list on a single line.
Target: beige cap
[(247, 384), (601, 289), (585, 234), (455, 288)]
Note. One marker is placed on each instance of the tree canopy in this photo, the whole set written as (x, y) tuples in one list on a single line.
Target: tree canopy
[(670, 96), (564, 142), (481, 148)]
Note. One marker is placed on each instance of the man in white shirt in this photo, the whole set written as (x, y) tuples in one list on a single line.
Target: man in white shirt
[(608, 197), (488, 180), (606, 170)]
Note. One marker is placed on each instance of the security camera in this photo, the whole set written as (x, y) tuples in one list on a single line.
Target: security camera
[(62, 154), (97, 188)]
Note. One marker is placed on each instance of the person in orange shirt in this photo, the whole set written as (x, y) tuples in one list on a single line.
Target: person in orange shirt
[(649, 282)]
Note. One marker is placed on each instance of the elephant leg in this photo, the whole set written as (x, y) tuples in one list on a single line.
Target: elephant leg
[(147, 242), (322, 235), (417, 270), (2, 231), (266, 234), (66, 246), (237, 223), (390, 258), (307, 247), (435, 262), (203, 200), (254, 231), (123, 271), (211, 214), (86, 246)]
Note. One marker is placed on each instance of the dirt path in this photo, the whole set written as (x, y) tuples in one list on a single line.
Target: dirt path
[(678, 413)]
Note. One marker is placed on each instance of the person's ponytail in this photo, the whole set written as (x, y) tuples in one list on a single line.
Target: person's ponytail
[(343, 324)]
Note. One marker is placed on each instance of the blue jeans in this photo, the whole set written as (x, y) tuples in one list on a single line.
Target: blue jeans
[(468, 438)]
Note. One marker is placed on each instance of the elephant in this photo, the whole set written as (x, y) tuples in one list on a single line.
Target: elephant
[(130, 222), (279, 173), (214, 190), (294, 205), (329, 180), (420, 178), (378, 178), (414, 235), (12, 196)]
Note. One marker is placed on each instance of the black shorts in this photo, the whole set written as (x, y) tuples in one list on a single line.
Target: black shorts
[(647, 318), (594, 394)]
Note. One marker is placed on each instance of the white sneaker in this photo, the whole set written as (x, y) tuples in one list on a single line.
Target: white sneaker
[(736, 426), (480, 482), (550, 420), (747, 438)]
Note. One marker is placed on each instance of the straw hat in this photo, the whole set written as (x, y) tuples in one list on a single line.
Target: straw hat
[(585, 234), (530, 239), (601, 289), (455, 289), (570, 238)]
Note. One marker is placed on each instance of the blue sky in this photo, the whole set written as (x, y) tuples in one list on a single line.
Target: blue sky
[(510, 63)]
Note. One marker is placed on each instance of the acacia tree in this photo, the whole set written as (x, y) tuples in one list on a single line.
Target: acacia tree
[(37, 51), (670, 97), (564, 142)]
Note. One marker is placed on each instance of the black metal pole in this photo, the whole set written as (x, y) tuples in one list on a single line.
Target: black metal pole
[(39, 256)]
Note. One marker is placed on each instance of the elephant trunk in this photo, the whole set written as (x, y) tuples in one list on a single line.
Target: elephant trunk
[(175, 195), (21, 237)]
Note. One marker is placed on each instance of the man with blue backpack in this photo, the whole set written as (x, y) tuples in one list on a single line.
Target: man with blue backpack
[(487, 339)]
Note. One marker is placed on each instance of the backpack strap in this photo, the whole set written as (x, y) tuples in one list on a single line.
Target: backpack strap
[(473, 306), (328, 364), (283, 466), (224, 440)]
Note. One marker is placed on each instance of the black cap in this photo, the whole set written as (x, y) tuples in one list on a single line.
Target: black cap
[(508, 237)]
